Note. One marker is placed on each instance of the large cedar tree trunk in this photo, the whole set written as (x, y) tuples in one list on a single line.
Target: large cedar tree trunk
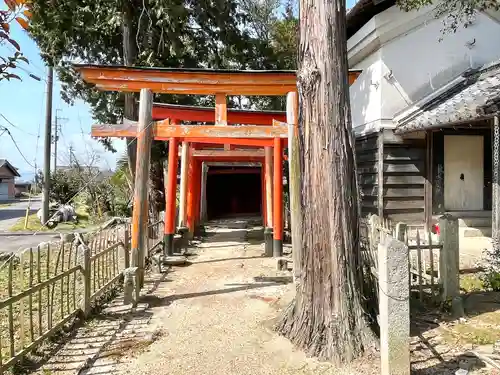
[(327, 317), (129, 56)]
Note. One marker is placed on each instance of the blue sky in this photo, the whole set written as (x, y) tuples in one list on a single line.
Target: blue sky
[(23, 104)]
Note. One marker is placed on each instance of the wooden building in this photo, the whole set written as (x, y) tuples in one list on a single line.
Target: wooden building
[(440, 158)]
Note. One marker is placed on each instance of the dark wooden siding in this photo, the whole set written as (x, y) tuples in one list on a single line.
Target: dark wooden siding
[(366, 163), (404, 178)]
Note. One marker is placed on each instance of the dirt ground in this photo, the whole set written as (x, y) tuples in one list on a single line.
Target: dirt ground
[(215, 316)]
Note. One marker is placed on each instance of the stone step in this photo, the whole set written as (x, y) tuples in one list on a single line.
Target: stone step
[(475, 232), (474, 222)]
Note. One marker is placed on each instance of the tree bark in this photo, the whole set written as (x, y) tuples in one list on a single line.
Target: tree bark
[(129, 57), (327, 317)]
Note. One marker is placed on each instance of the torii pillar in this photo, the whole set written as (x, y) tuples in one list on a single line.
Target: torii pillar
[(140, 212), (171, 195)]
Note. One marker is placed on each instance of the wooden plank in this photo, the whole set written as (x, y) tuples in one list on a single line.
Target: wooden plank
[(406, 204), (408, 217), (197, 82), (380, 167), (428, 181), (376, 167), (164, 130), (207, 114), (228, 154), (192, 81), (392, 181), (252, 142), (394, 192), (403, 154), (412, 167), (438, 172), (366, 157), (126, 130)]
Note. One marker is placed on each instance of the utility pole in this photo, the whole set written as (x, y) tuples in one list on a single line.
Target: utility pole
[(55, 138), (71, 155), (46, 159)]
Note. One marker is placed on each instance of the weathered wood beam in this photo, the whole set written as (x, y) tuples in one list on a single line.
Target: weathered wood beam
[(233, 164), (255, 142), (185, 81), (164, 130), (197, 82), (294, 184), (234, 171), (495, 212), (140, 211), (228, 154), (207, 114)]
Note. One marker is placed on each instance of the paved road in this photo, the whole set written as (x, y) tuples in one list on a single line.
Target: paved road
[(15, 242), (9, 215)]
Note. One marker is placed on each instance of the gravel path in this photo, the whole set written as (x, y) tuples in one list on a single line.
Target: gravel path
[(215, 316)]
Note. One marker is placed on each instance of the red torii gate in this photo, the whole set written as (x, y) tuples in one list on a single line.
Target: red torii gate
[(220, 83), (203, 152)]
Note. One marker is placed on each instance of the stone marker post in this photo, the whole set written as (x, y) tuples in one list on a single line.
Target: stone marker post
[(449, 262), (394, 307)]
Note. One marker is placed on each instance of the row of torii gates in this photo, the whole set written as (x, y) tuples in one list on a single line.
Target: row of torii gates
[(236, 137)]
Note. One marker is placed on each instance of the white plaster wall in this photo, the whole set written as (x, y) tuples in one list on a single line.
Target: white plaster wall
[(403, 53), (421, 63), (365, 93)]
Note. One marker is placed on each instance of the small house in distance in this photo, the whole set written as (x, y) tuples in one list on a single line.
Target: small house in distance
[(8, 173), (423, 113)]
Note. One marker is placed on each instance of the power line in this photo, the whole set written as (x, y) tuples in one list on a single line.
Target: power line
[(74, 196), (15, 126), (18, 149)]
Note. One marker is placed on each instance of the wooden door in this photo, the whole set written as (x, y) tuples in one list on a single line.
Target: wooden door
[(463, 172)]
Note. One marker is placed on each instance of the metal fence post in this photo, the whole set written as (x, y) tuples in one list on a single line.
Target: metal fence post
[(86, 272), (449, 262), (394, 307)]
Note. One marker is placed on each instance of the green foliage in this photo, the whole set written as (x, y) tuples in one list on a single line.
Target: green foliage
[(63, 187), (167, 33), (491, 280), (456, 13), (9, 63)]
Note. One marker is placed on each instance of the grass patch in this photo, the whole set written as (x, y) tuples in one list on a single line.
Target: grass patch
[(481, 330), (84, 221), (3, 205), (471, 283)]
